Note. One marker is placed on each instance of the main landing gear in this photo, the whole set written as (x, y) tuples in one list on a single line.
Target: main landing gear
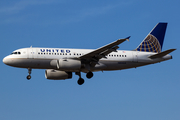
[(81, 80), (29, 76), (89, 75)]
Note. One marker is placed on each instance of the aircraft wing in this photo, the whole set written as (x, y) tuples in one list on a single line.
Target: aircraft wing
[(103, 51)]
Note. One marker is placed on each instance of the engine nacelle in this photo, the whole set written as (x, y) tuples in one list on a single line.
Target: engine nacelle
[(57, 75), (68, 64)]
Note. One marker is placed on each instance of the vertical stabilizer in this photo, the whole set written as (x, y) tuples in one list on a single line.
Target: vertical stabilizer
[(154, 40)]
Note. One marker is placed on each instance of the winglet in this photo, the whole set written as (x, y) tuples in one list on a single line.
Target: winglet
[(127, 38)]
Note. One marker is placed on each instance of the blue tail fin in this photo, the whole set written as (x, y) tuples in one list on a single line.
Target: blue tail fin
[(154, 40)]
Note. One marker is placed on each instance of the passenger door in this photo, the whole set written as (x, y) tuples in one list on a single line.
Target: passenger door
[(135, 56), (31, 53)]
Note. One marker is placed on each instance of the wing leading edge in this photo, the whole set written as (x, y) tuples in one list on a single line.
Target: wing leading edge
[(103, 51)]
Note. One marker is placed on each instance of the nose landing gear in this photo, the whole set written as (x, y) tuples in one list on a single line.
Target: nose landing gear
[(29, 76)]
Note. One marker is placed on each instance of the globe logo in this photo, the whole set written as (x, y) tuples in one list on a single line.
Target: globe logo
[(150, 44)]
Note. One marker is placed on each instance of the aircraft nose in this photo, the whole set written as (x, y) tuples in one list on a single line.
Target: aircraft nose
[(6, 61)]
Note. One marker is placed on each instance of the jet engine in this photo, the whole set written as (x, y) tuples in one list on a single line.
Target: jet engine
[(68, 64), (57, 75)]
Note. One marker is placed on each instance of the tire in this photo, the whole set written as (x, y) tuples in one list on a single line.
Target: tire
[(28, 77), (89, 75), (80, 81)]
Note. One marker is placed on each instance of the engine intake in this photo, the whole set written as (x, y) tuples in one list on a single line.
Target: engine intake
[(57, 75)]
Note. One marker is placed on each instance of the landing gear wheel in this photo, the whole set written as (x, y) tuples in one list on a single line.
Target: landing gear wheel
[(89, 75), (28, 77), (80, 81)]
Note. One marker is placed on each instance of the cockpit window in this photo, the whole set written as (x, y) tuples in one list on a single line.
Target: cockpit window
[(15, 53)]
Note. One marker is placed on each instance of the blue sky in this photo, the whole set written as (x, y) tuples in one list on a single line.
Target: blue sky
[(144, 93)]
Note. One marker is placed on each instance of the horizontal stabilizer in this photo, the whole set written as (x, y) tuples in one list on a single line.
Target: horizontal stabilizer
[(159, 55)]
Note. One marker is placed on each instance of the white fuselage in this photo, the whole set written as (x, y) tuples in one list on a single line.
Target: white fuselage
[(45, 58)]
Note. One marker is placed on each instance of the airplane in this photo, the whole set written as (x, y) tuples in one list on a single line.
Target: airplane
[(60, 63)]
